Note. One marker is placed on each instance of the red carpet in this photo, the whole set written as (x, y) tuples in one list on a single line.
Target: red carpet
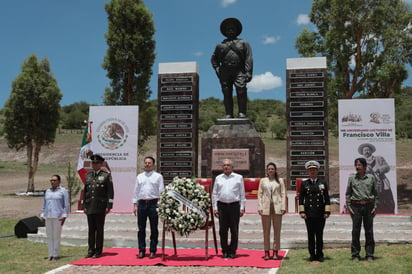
[(184, 257)]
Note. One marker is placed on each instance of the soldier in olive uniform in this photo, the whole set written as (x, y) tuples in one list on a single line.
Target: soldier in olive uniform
[(97, 202), (314, 207)]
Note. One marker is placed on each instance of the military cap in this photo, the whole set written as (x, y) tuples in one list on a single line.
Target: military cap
[(227, 21), (96, 158), (312, 164)]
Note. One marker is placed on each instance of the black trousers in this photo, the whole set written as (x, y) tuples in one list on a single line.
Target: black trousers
[(314, 227), (229, 77), (229, 217), (362, 213), (96, 232)]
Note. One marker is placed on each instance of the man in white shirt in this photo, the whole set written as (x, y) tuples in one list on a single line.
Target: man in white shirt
[(149, 185), (228, 205)]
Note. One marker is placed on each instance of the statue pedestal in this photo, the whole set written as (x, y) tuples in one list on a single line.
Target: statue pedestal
[(237, 140)]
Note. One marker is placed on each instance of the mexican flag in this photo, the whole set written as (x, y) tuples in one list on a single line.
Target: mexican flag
[(84, 151)]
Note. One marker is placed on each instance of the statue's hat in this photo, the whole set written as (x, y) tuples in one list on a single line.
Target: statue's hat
[(227, 21)]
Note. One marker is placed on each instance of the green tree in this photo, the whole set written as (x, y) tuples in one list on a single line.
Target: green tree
[(403, 113), (261, 124), (130, 57), (73, 115), (31, 113), (278, 129), (367, 44), (210, 109)]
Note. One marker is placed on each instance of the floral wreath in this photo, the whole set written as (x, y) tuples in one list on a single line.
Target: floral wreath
[(191, 216)]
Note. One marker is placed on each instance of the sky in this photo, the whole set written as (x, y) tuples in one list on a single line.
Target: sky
[(70, 34)]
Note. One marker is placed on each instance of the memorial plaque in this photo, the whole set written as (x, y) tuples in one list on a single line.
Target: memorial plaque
[(306, 104), (302, 94), (307, 143), (180, 154), (176, 107), (177, 79), (175, 116), (307, 133), (307, 85), (179, 98), (178, 118), (307, 75), (307, 153), (176, 135), (302, 114), (175, 164), (176, 145), (240, 158), (307, 123), (176, 126), (172, 174), (175, 88)]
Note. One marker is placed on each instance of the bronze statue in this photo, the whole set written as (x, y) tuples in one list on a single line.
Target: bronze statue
[(233, 63)]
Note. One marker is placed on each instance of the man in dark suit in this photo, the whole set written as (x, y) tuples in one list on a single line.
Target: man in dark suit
[(97, 202), (314, 207)]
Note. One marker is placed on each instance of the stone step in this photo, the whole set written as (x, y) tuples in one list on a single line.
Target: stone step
[(121, 231)]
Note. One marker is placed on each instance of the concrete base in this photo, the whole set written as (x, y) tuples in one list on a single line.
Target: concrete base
[(121, 231), (233, 134)]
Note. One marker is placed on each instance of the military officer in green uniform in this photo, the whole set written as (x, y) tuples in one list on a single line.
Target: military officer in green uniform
[(314, 208), (97, 202)]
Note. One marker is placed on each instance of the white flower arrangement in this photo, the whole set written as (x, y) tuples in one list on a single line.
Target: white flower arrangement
[(180, 218), (321, 187)]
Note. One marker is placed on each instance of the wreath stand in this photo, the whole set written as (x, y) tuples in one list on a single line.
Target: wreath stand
[(210, 223)]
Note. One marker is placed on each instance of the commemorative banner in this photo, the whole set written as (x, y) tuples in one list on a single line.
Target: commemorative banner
[(367, 130), (114, 136)]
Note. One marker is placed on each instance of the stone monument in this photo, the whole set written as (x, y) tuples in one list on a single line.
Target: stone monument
[(237, 140), (178, 115), (233, 138)]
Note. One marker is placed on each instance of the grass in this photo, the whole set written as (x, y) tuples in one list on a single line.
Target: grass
[(389, 259), (20, 255)]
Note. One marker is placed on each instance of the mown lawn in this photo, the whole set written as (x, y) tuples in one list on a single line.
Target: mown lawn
[(22, 256)]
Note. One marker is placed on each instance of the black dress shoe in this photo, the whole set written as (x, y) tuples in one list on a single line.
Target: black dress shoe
[(321, 259), (312, 258), (97, 255), (90, 254), (50, 259), (225, 255), (152, 255), (141, 255), (232, 256)]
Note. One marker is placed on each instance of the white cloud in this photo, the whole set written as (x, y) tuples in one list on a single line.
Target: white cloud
[(303, 19), (199, 53), (226, 3), (264, 81), (270, 39)]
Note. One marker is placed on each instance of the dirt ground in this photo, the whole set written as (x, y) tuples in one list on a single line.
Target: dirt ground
[(13, 206)]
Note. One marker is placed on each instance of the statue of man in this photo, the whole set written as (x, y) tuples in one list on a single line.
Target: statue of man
[(233, 63)]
